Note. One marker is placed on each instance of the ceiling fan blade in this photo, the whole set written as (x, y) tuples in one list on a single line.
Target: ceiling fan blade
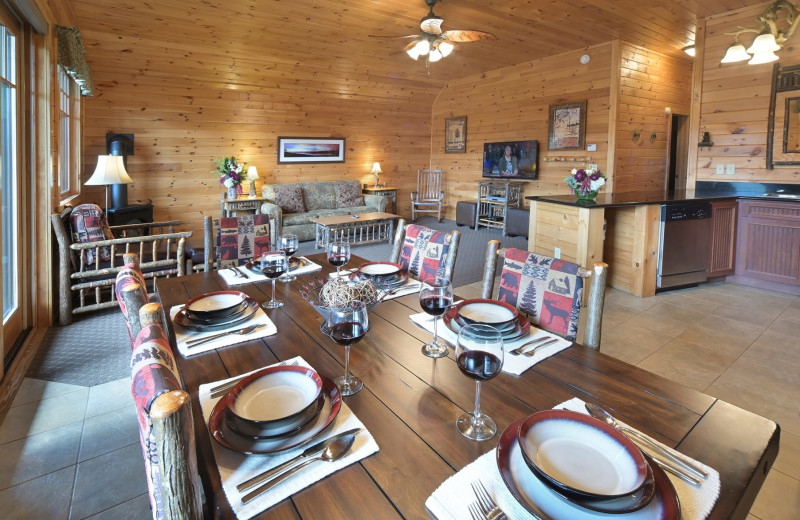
[(393, 37), (467, 36)]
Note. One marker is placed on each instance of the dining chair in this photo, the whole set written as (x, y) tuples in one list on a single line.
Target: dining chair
[(239, 239), (425, 253), (429, 195), (548, 290), (131, 291), (166, 430)]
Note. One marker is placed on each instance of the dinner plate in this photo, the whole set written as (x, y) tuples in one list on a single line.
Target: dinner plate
[(215, 304), (541, 501), (487, 312), (270, 432), (520, 328), (390, 281), (233, 441), (294, 264), (182, 319), (382, 269), (274, 395), (581, 455)]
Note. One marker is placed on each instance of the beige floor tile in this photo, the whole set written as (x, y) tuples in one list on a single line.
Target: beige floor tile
[(40, 416), (785, 326), (760, 316), (687, 301), (751, 516), (667, 319), (792, 313), (687, 363), (774, 356), (614, 314), (630, 343), (779, 498), (35, 390), (634, 302), (713, 331), (788, 460), (707, 293)]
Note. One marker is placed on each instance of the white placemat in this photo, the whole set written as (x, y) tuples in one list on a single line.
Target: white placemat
[(235, 467), (512, 364), (451, 500), (410, 287), (232, 279), (182, 335)]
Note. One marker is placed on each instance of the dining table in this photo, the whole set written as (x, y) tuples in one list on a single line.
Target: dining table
[(410, 403)]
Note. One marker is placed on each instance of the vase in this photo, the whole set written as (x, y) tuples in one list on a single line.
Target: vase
[(232, 193), (588, 195)]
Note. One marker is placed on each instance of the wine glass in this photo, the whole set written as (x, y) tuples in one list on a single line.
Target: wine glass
[(338, 254), (288, 243), (273, 264), (348, 325), (435, 298), (479, 355)]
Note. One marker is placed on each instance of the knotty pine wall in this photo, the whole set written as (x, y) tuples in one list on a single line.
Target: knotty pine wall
[(734, 105)]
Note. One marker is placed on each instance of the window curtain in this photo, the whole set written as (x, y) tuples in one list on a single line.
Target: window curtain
[(72, 56)]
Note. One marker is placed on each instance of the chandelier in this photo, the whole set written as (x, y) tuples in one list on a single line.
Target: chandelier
[(775, 25)]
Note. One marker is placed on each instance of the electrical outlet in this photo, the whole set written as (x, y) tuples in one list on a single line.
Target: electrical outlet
[(730, 169), (720, 169), (592, 166), (557, 253)]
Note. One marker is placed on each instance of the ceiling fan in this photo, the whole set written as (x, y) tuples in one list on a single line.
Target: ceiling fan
[(432, 42)]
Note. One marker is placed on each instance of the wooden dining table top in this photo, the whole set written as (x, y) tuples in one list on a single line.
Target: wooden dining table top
[(410, 404)]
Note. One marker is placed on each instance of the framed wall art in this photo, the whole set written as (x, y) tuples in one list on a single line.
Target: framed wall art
[(567, 126), (292, 150), (455, 135)]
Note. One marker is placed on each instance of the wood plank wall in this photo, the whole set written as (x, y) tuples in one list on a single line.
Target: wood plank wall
[(735, 104), (512, 104), (650, 82)]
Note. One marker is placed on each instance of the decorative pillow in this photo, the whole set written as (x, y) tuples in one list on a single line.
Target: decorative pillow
[(424, 252), (88, 225), (290, 199), (348, 195), (549, 291), (241, 239), (130, 274)]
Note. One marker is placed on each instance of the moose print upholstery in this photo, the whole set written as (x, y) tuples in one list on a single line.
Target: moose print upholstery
[(241, 239), (425, 253), (88, 224)]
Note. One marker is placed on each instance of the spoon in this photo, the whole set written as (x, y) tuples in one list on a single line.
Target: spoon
[(246, 330), (601, 414), (332, 453)]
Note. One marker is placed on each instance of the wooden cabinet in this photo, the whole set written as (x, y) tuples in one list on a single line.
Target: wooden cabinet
[(769, 241), (722, 246)]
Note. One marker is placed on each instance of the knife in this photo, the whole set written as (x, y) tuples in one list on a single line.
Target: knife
[(241, 272), (282, 468)]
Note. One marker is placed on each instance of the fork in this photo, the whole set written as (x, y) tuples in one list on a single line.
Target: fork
[(223, 388), (475, 512), (531, 352), (488, 506), (517, 351)]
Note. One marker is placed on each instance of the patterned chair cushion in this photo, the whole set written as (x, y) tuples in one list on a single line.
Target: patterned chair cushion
[(548, 290), (424, 252), (129, 274), (241, 239), (88, 225), (290, 199), (153, 373), (348, 195)]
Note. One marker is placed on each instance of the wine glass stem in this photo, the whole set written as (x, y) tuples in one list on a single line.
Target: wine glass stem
[(435, 334), (476, 417), (273, 289), (346, 363)]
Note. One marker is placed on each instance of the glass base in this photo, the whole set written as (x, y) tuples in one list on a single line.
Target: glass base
[(272, 304), (435, 350), (349, 386), (481, 430)]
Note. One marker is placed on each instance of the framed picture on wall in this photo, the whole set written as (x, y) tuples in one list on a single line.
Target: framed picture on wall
[(567, 126), (310, 150), (455, 135)]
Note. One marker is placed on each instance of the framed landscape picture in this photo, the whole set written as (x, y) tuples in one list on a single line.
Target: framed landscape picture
[(310, 150), (455, 135), (567, 126)]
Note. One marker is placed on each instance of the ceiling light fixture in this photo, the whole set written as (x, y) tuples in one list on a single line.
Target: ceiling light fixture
[(689, 49), (773, 30)]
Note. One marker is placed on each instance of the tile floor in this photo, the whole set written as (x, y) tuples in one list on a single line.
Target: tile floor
[(73, 452)]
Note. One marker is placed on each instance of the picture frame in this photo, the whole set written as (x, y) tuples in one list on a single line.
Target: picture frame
[(455, 135), (297, 150), (567, 126)]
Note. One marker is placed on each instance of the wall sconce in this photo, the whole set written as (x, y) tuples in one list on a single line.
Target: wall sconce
[(706, 141), (252, 176), (689, 49), (653, 136), (637, 133), (376, 170), (770, 35)]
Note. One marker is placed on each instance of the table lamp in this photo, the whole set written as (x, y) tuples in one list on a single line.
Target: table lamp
[(252, 175), (110, 170), (376, 170)]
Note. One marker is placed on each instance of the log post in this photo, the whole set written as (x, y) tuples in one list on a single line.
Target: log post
[(151, 314), (135, 297), (64, 267), (594, 305)]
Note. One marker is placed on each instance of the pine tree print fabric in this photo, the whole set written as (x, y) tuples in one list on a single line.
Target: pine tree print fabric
[(549, 291), (424, 253), (89, 224), (241, 239)]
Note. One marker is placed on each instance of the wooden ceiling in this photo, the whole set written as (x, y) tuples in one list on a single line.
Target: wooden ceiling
[(333, 35)]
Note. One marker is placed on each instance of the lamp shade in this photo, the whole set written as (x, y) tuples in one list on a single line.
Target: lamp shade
[(376, 168), (252, 173), (690, 50), (423, 47), (110, 170), (762, 57), (735, 53), (435, 55), (764, 42), (445, 48)]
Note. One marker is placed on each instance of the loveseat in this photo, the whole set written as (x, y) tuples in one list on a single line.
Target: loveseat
[(294, 205)]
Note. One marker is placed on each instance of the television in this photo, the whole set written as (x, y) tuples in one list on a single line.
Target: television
[(519, 163)]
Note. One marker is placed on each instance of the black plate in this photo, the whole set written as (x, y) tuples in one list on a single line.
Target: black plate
[(184, 321)]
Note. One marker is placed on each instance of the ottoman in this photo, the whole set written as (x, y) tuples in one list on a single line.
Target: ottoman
[(518, 222), (465, 213)]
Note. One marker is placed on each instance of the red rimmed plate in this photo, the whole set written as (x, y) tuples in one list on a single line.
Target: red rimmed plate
[(487, 312), (520, 328), (541, 501), (581, 455), (182, 319), (215, 304), (233, 441), (392, 281), (382, 269), (294, 264)]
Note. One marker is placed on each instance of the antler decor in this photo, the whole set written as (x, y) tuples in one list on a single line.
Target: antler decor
[(773, 30)]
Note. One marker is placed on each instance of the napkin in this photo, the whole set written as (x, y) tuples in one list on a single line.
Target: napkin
[(512, 364), (452, 497), (182, 335), (235, 467), (232, 279)]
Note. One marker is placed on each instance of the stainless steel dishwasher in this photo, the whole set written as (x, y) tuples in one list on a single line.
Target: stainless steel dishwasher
[(684, 236)]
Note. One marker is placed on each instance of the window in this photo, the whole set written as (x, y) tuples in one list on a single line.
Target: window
[(69, 148), (9, 116)]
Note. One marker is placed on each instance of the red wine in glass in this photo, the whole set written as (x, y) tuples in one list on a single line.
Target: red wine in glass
[(338, 254), (348, 325), (288, 243), (435, 298), (273, 264), (479, 356), (273, 271), (435, 305), (479, 365), (348, 332)]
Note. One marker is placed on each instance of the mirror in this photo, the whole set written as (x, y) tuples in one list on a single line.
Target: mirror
[(784, 116)]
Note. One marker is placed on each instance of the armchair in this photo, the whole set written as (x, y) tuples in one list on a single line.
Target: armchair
[(429, 195)]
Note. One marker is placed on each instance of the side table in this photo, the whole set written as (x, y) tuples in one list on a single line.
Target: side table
[(386, 192), (241, 203)]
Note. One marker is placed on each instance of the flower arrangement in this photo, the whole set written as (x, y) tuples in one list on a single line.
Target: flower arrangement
[(585, 183), (230, 173)]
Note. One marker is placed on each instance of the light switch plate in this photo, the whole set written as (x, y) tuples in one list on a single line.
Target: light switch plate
[(730, 169), (720, 169), (557, 253), (592, 166), (591, 147)]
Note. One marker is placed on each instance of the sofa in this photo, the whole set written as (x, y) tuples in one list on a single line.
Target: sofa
[(294, 205)]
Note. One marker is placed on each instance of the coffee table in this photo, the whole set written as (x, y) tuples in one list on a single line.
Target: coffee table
[(365, 228)]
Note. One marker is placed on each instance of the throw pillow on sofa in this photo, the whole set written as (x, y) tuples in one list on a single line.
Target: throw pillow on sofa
[(349, 195), (290, 199)]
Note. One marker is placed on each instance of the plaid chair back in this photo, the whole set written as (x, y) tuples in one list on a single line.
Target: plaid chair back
[(89, 224), (130, 274), (241, 239), (548, 290), (424, 252)]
